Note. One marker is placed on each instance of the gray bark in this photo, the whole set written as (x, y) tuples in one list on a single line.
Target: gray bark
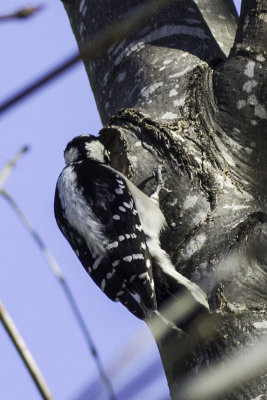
[(170, 94)]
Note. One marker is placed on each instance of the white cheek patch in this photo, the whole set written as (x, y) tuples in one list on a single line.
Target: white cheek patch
[(95, 150)]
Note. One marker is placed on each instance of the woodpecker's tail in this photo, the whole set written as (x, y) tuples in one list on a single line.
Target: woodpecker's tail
[(179, 300)]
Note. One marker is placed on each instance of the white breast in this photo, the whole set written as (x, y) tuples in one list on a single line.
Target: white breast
[(78, 212)]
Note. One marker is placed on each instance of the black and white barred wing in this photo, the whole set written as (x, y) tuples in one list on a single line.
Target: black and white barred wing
[(96, 213)]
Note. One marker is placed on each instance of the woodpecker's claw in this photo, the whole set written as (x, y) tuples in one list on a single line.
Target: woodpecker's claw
[(160, 181)]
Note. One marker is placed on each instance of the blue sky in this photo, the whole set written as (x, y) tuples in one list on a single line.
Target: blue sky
[(46, 122)]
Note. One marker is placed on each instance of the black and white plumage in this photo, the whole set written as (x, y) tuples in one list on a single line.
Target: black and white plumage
[(113, 227)]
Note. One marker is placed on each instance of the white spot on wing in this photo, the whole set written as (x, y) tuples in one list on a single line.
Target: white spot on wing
[(112, 245), (127, 205), (128, 258), (116, 217), (138, 257), (121, 76), (103, 284), (118, 191), (115, 263), (96, 263), (110, 274)]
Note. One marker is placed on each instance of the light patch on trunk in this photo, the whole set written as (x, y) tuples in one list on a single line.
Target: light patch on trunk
[(148, 90), (169, 115), (249, 69), (173, 92), (249, 85), (193, 245), (189, 202), (162, 32), (262, 325)]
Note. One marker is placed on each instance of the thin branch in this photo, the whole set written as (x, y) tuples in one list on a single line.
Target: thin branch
[(24, 353), (46, 253), (59, 275), (11, 164), (101, 41), (55, 269), (88, 339), (23, 13)]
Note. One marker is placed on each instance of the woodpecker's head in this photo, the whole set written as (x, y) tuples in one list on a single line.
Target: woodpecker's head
[(83, 147)]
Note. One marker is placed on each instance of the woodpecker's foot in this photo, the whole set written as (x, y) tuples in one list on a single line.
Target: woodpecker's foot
[(160, 185)]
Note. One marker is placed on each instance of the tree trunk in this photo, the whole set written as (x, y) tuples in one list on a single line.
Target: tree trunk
[(170, 94)]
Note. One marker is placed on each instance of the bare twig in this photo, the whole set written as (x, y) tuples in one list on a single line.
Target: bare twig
[(10, 165), (56, 271), (23, 13), (46, 253), (59, 275), (24, 353), (102, 40)]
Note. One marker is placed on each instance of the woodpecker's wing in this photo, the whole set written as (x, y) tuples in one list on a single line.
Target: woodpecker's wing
[(101, 223)]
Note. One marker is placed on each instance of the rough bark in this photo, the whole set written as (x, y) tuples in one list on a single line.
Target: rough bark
[(169, 94)]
